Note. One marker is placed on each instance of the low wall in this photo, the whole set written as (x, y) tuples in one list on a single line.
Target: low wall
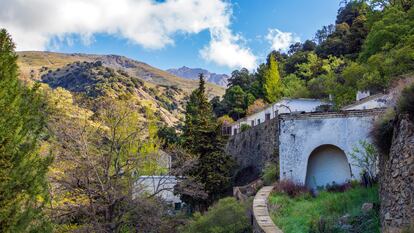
[(253, 148), (397, 180), (262, 223)]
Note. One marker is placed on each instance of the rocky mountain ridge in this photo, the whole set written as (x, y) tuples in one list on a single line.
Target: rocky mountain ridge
[(193, 73)]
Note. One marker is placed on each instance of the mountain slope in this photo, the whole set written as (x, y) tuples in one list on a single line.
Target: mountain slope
[(193, 73), (31, 62), (90, 77)]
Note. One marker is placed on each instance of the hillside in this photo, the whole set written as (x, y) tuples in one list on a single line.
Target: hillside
[(193, 73), (31, 62), (97, 76)]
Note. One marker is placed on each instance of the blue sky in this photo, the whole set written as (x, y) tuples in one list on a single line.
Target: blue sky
[(229, 35)]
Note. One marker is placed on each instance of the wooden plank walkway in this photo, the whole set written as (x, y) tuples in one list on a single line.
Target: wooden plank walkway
[(261, 212)]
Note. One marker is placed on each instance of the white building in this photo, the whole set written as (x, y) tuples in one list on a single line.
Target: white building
[(161, 186), (365, 101), (272, 111)]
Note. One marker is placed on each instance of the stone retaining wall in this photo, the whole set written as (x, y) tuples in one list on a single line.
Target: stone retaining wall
[(254, 148), (397, 180)]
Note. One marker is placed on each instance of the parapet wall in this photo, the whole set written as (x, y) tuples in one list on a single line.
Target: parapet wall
[(255, 147), (397, 180)]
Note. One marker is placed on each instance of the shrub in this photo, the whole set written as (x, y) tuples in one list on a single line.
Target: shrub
[(405, 103), (244, 127), (227, 215), (365, 157), (257, 106), (291, 188), (270, 174), (338, 188), (382, 132)]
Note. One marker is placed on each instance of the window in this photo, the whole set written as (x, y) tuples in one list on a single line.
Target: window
[(267, 116), (258, 121), (177, 206), (235, 131), (252, 123)]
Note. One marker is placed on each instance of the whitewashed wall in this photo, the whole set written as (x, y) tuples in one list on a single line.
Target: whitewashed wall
[(162, 185), (283, 106), (376, 101), (301, 135)]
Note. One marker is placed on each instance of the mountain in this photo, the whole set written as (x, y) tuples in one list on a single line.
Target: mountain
[(193, 73), (32, 61), (90, 77)]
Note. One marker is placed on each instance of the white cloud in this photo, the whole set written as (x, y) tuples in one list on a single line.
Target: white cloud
[(40, 24), (226, 49), (281, 40)]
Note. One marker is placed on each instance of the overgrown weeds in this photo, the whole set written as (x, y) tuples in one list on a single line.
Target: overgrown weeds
[(303, 214), (291, 188)]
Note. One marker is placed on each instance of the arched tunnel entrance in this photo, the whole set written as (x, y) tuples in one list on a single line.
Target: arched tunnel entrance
[(327, 164)]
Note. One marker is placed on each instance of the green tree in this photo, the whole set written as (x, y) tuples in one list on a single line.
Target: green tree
[(272, 85), (203, 139), (228, 215), (23, 186)]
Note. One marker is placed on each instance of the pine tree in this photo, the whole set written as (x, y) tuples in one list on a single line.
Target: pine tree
[(272, 84), (23, 187), (202, 138)]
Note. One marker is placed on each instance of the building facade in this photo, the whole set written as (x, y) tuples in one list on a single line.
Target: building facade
[(272, 111)]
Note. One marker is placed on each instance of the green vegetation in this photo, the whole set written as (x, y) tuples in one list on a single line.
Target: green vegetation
[(202, 139), (406, 102), (321, 214), (370, 47), (270, 174), (383, 129), (227, 215), (272, 86), (244, 127), (365, 156), (23, 181)]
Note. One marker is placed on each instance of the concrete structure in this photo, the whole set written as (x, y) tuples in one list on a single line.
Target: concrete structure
[(262, 222), (161, 186), (271, 111), (314, 148)]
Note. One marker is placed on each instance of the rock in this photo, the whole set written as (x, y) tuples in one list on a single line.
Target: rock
[(366, 207), (344, 219)]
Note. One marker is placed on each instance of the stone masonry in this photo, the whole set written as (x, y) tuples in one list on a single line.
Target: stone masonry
[(254, 147), (397, 180)]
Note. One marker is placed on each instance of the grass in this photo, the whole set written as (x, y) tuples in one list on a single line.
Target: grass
[(304, 213)]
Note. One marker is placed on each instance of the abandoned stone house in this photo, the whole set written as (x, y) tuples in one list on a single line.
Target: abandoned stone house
[(311, 146)]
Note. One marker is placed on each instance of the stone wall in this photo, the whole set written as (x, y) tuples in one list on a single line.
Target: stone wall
[(253, 148), (397, 180)]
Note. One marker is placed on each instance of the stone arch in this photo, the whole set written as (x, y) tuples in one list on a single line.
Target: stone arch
[(327, 164)]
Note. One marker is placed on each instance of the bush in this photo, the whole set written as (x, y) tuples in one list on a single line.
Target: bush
[(406, 102), (291, 188), (227, 215), (382, 132), (338, 188), (365, 156), (244, 127), (270, 174)]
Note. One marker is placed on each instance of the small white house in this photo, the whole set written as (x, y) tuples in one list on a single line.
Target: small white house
[(161, 186), (366, 101), (272, 111)]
